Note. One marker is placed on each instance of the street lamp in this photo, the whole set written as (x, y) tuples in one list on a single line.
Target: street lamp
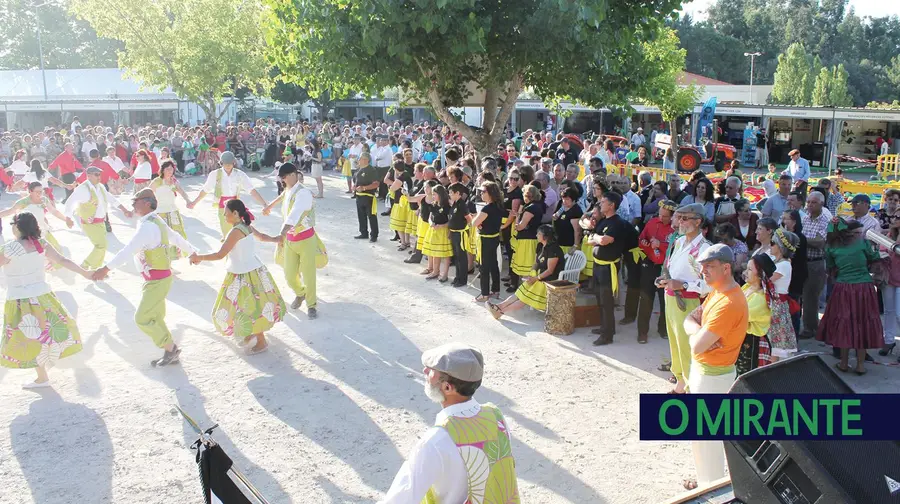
[(753, 56), (37, 21)]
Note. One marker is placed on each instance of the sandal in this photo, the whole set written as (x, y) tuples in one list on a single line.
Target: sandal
[(482, 299), (860, 372), (837, 365), (665, 367), (495, 295), (673, 380), (253, 350), (443, 279), (425, 272), (689, 484), (673, 392), (495, 310)]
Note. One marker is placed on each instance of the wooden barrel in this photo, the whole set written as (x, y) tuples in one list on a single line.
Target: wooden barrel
[(559, 319)]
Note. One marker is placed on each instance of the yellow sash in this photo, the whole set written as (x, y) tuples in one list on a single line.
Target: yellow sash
[(374, 200), (637, 254), (464, 235), (478, 243), (613, 273)]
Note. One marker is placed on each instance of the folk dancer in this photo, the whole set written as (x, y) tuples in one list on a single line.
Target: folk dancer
[(166, 188), (226, 183), (686, 280), (449, 456), (249, 302), (89, 203), (298, 245), (37, 329), (150, 249)]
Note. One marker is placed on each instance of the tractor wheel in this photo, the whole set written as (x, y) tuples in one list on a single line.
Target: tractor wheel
[(688, 161)]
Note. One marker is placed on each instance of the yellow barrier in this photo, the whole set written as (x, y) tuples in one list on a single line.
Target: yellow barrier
[(888, 165)]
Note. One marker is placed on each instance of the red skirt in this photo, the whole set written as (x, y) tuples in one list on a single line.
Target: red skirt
[(851, 317)]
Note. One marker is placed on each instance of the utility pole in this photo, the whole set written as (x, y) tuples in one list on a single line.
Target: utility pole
[(753, 56)]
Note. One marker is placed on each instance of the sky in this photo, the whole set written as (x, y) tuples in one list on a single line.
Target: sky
[(874, 8)]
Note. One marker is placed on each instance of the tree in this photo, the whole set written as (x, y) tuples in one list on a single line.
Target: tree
[(589, 51), (203, 49), (820, 91), (794, 79), (838, 91), (66, 41), (672, 100)]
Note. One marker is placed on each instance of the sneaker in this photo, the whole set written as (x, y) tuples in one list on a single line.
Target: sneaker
[(312, 313), (36, 385), (167, 358), (297, 302)]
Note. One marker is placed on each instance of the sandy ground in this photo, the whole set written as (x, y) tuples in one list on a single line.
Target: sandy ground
[(328, 414)]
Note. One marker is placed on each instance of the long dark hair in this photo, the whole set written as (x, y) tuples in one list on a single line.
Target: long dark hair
[(709, 194), (442, 195), (494, 192), (37, 168), (765, 268), (238, 206), (27, 225), (547, 231)]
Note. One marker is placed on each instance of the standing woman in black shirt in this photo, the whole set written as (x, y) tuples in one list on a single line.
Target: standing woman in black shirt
[(437, 239), (565, 220), (424, 215), (487, 223), (526, 236), (611, 238), (400, 188), (512, 201), (587, 224), (548, 264), (365, 182), (412, 219), (459, 231)]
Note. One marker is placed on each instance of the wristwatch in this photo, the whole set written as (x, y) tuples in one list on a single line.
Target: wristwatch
[(684, 285)]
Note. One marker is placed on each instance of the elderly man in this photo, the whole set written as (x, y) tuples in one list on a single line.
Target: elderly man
[(654, 242), (90, 203), (725, 204), (547, 165), (861, 204), (815, 225), (150, 248), (611, 237), (684, 286), (834, 198), (777, 203), (551, 197), (645, 181), (638, 139), (382, 159), (798, 169), (717, 330), (675, 193), (226, 183), (452, 454)]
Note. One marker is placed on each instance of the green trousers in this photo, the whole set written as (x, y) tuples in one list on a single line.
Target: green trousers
[(96, 233), (224, 226), (300, 259), (151, 312), (679, 340)]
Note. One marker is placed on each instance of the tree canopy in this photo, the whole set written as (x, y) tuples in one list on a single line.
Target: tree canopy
[(67, 42), (590, 51), (203, 49), (827, 29)]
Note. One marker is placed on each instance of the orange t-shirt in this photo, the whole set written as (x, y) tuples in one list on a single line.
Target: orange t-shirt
[(726, 315)]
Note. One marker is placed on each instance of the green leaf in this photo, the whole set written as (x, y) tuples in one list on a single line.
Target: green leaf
[(58, 330), (243, 326), (498, 449)]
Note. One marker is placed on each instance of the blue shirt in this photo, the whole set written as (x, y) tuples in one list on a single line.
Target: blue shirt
[(429, 156), (798, 170)]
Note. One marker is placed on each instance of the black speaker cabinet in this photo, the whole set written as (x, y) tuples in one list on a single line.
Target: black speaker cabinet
[(810, 472)]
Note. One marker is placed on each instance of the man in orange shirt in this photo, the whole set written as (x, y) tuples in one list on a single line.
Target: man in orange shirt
[(717, 329)]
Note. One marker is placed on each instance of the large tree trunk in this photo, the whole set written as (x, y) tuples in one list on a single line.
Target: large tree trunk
[(323, 109), (497, 112)]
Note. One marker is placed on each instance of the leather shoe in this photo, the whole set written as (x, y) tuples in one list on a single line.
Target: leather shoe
[(373, 239), (414, 259), (385, 213), (602, 340), (361, 237), (642, 338), (626, 321)]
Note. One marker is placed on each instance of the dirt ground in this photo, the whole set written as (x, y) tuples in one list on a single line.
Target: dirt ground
[(329, 413)]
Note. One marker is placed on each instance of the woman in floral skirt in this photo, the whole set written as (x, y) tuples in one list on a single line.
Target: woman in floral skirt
[(166, 189), (249, 302), (781, 330), (37, 329)]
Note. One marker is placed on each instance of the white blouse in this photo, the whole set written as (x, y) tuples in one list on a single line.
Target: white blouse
[(143, 171), (242, 257), (25, 272), (165, 198), (782, 284)]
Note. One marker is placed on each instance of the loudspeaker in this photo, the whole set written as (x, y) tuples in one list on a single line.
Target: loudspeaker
[(809, 472)]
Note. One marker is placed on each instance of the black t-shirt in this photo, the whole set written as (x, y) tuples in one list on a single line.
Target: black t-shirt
[(458, 212), (407, 183), (536, 210), (621, 231), (542, 260), (418, 187), (515, 194), (491, 224), (425, 210), (365, 176), (565, 233), (440, 214)]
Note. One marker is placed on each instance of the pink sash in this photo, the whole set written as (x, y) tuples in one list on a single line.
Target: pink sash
[(156, 274), (302, 235)]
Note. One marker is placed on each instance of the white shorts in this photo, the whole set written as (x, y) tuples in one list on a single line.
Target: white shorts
[(316, 170)]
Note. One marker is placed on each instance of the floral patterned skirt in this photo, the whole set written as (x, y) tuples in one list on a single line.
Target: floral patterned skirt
[(174, 220), (781, 330), (37, 331), (754, 353), (248, 303)]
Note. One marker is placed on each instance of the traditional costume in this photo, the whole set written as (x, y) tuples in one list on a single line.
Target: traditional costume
[(525, 242), (89, 206), (755, 350), (366, 202), (302, 251), (651, 269), (437, 238), (249, 301), (535, 295), (37, 329), (224, 187), (150, 248), (165, 204)]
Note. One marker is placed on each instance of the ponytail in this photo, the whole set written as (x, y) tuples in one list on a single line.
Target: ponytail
[(238, 206)]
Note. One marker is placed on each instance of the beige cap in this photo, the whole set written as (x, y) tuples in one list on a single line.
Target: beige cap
[(461, 361)]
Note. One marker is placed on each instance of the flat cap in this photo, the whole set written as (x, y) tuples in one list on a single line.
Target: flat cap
[(227, 157), (461, 361), (692, 208), (717, 252), (93, 170)]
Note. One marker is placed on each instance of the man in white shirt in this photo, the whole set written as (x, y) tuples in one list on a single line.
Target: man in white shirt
[(638, 139), (298, 244), (382, 157), (441, 465), (354, 151), (90, 202), (226, 183), (149, 247), (114, 162)]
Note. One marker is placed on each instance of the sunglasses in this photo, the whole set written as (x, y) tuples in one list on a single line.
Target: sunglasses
[(514, 179)]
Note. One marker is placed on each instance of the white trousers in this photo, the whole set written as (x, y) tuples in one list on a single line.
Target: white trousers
[(891, 313), (709, 456)]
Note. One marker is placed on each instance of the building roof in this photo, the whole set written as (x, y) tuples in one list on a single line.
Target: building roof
[(689, 78), (75, 84)]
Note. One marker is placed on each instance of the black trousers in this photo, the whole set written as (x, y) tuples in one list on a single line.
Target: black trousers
[(633, 281), (460, 258), (648, 289), (604, 293), (382, 187), (364, 214), (68, 178), (490, 266)]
